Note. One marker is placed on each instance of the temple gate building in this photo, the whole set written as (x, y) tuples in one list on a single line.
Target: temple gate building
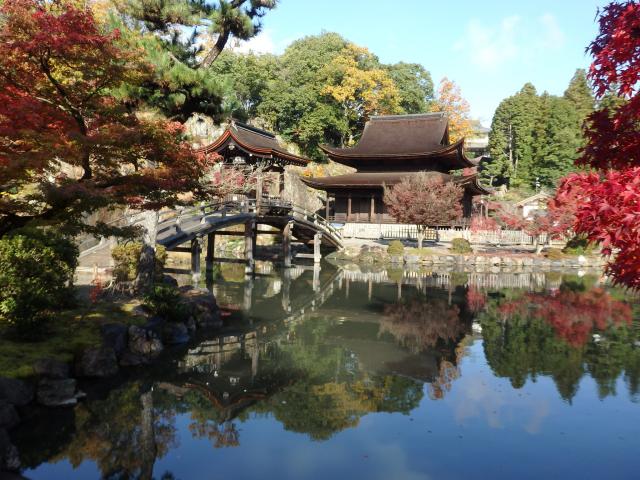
[(391, 148)]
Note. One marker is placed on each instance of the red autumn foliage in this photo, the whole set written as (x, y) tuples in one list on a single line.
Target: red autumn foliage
[(480, 223), (476, 299), (424, 200), (609, 207), (573, 315), (69, 144)]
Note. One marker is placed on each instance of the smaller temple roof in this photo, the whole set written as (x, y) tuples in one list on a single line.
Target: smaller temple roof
[(376, 180), (253, 141)]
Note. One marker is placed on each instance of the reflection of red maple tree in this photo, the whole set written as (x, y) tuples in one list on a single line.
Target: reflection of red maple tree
[(418, 325), (476, 299), (573, 315)]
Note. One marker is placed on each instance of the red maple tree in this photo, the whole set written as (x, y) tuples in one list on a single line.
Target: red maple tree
[(609, 208), (424, 200), (71, 141)]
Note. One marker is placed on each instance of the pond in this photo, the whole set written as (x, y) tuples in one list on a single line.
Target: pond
[(383, 374)]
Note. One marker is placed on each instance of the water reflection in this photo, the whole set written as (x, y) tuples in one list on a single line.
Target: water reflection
[(318, 350)]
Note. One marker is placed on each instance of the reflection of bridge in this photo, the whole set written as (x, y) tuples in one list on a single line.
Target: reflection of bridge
[(210, 220)]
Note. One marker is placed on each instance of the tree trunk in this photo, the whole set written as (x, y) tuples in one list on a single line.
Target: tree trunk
[(539, 246), (147, 261), (420, 238), (216, 50), (147, 437)]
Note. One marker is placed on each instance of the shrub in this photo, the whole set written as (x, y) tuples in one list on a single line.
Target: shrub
[(554, 254), (421, 252), (126, 257), (36, 277), (578, 245), (461, 245), (166, 302), (395, 248)]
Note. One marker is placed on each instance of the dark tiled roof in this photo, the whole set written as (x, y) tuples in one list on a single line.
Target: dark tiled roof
[(399, 135), (379, 179), (255, 141)]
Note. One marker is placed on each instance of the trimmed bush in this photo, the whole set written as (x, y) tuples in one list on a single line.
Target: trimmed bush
[(165, 301), (36, 278), (126, 257), (578, 245), (554, 254), (461, 245), (395, 248)]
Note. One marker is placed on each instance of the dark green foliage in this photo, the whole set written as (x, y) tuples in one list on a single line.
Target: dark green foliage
[(579, 245), (126, 258), (165, 301), (415, 85), (535, 139), (395, 248), (461, 245), (36, 275), (554, 254)]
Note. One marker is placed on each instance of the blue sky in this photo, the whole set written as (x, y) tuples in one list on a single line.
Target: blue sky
[(490, 48)]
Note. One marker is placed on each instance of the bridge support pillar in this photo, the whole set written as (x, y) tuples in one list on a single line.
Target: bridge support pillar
[(247, 300), (317, 241), (249, 241), (286, 288), (286, 244), (211, 245), (316, 277), (196, 250)]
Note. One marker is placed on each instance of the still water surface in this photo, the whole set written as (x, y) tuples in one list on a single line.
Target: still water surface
[(378, 375)]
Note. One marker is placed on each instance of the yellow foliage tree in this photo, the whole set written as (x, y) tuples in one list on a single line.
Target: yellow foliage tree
[(355, 80), (450, 100)]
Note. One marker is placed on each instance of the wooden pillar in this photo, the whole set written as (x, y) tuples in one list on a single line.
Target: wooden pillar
[(211, 245), (370, 292), (195, 259), (248, 294), (249, 240), (286, 287), (286, 244), (326, 208), (372, 214), (281, 182), (316, 278), (317, 242), (349, 208)]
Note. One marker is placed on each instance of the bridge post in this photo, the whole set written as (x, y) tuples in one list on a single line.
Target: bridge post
[(211, 245), (317, 241), (247, 300), (249, 241), (196, 250), (316, 277), (286, 288), (286, 244)]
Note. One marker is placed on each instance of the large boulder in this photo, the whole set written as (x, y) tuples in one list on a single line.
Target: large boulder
[(114, 335), (58, 392), (51, 368), (203, 306), (9, 457), (15, 391), (144, 342), (97, 362), (175, 334), (8, 415)]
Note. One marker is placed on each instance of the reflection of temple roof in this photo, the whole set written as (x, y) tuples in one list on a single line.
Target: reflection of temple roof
[(253, 141)]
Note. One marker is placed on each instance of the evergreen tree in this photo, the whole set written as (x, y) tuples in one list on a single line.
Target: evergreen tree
[(580, 94)]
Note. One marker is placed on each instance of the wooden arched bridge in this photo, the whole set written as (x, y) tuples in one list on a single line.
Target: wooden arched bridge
[(193, 225)]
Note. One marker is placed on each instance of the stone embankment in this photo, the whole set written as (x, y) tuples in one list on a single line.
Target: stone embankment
[(56, 383), (378, 255)]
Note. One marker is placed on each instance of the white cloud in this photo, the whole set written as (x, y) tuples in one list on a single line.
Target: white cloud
[(491, 47), (261, 43), (552, 34)]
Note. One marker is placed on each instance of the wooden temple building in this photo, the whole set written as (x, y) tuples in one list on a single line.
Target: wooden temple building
[(242, 145), (391, 148)]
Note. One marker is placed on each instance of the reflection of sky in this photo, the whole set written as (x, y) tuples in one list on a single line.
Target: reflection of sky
[(482, 425)]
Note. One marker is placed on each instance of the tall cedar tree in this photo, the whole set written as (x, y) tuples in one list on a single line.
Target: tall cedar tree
[(609, 211), (68, 144), (425, 201), (174, 35)]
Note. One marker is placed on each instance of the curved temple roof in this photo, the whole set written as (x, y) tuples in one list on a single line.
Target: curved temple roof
[(414, 138), (377, 180), (254, 141)]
